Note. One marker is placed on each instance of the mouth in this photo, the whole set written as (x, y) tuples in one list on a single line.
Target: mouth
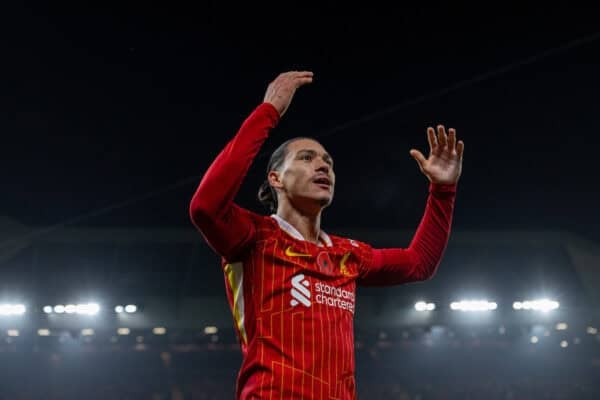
[(323, 182)]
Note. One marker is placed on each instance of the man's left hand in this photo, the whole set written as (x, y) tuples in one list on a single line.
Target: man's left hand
[(444, 164)]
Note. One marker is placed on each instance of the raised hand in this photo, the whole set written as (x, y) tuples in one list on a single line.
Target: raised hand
[(444, 164), (281, 90)]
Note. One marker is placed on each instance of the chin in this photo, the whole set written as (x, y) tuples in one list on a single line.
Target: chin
[(325, 201), (312, 201)]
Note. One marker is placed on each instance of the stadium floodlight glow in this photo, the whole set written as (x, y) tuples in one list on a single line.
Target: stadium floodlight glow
[(473, 305), (87, 332), (123, 331), (564, 344), (12, 309), (43, 332), (591, 330), (87, 309), (423, 306), (534, 339), (543, 305), (12, 332), (159, 330), (80, 309), (562, 326), (210, 330), (130, 308)]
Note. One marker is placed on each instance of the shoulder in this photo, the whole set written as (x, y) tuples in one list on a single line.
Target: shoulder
[(263, 228), (265, 225), (344, 241), (362, 249)]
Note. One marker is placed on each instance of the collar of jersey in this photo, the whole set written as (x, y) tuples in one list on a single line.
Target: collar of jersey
[(293, 232)]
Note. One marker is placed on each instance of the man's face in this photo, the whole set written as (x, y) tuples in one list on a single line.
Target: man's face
[(306, 176)]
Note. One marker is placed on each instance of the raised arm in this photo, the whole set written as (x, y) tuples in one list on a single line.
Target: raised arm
[(419, 261), (227, 227)]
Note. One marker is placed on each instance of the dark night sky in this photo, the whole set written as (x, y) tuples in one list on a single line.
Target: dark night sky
[(103, 105)]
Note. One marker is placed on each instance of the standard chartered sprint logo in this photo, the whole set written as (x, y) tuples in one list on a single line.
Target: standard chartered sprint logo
[(325, 294), (300, 291)]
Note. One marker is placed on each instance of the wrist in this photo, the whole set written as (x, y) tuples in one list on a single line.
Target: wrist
[(443, 187), (270, 110)]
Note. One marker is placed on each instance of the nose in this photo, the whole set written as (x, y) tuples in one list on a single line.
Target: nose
[(322, 166)]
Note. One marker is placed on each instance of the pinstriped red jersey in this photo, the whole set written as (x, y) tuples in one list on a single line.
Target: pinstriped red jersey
[(293, 305), (292, 300)]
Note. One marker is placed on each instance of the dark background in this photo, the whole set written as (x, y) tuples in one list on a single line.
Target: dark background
[(113, 112)]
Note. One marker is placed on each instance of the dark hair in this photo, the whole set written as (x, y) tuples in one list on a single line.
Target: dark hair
[(266, 194)]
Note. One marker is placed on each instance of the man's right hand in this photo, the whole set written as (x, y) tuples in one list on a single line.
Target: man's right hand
[(281, 90)]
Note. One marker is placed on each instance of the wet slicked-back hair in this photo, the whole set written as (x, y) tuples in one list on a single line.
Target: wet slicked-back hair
[(266, 194)]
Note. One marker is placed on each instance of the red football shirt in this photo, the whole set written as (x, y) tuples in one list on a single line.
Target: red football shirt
[(292, 300)]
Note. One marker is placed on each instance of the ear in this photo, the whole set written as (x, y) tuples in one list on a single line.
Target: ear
[(274, 179)]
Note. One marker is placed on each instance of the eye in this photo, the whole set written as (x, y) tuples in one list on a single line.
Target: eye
[(306, 157)]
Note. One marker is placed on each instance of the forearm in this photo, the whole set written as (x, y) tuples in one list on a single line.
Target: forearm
[(222, 180), (431, 238), (418, 261), (226, 227)]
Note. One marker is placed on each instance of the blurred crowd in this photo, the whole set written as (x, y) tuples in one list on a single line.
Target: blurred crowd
[(383, 372)]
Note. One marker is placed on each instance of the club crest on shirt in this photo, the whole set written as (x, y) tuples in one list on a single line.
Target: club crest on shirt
[(343, 268)]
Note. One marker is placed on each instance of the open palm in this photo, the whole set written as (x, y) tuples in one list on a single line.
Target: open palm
[(444, 164)]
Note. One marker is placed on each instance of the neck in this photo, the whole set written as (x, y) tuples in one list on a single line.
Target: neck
[(308, 224)]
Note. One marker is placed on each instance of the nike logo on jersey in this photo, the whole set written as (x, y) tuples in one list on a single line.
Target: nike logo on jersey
[(291, 253)]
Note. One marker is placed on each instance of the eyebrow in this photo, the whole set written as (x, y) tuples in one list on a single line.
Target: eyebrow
[(326, 155)]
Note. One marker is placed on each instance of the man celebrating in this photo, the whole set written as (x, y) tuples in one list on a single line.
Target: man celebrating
[(290, 285)]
